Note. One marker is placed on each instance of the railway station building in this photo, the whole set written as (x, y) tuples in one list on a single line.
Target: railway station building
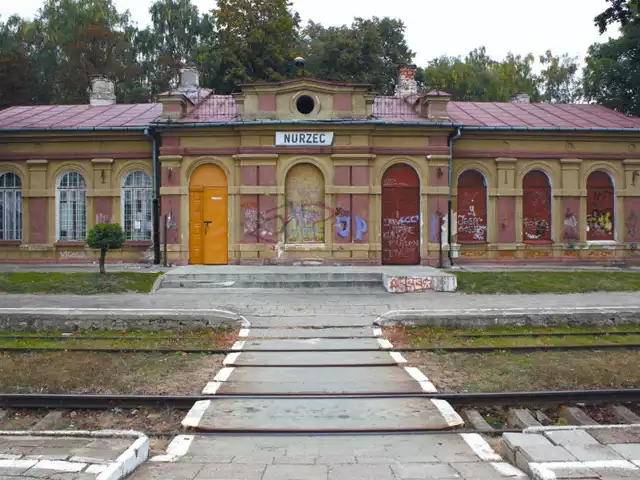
[(317, 172)]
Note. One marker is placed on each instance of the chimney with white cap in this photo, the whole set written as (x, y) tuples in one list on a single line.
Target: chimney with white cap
[(406, 84), (102, 92)]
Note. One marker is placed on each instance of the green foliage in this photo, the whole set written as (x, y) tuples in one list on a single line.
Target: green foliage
[(76, 283), (256, 40), (612, 74), (51, 58), (477, 77), (107, 236), (368, 51)]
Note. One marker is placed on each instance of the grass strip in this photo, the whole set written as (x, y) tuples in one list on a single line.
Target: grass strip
[(81, 283), (547, 282)]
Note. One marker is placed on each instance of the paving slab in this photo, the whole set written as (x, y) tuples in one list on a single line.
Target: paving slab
[(615, 435), (310, 358), (312, 344), (320, 380), (629, 451), (323, 414), (310, 333)]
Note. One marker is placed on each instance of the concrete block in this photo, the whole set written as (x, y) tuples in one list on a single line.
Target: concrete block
[(570, 437), (417, 284), (566, 470), (49, 420), (576, 416), (587, 453), (520, 417), (630, 451), (475, 419), (523, 449), (624, 415)]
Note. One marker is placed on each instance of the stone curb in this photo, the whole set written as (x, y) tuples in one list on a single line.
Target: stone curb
[(473, 318), (156, 284), (134, 456), (72, 319)]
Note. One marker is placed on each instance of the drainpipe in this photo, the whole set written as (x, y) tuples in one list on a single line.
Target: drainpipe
[(153, 135), (452, 139)]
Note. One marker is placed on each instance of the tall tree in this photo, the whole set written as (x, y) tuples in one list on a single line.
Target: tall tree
[(257, 40), (559, 79), (81, 38), (478, 77), (368, 51), (15, 69), (612, 73), (175, 38), (620, 11)]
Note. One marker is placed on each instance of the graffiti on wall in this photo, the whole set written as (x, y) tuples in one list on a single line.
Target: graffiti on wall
[(570, 231), (265, 226), (409, 284), (600, 223), (472, 224), (71, 255), (401, 236), (343, 224), (632, 225), (535, 228)]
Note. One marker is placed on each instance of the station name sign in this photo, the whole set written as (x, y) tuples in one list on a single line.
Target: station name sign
[(299, 139)]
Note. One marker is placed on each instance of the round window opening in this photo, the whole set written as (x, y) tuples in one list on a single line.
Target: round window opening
[(305, 104)]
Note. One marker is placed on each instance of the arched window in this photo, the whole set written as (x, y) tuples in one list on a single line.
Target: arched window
[(137, 194), (72, 207), (600, 207), (10, 207), (472, 207), (536, 207), (305, 208)]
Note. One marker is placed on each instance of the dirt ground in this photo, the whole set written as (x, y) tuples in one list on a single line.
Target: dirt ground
[(505, 371)]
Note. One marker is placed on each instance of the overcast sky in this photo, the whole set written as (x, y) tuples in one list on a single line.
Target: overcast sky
[(438, 27)]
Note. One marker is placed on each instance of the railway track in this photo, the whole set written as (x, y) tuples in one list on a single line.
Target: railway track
[(486, 413), (435, 349)]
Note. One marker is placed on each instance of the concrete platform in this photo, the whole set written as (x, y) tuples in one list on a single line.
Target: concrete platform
[(310, 344), (319, 380), (395, 279), (310, 359), (334, 457), (323, 415), (324, 333)]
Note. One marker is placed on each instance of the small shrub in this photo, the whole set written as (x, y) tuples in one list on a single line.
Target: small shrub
[(105, 237)]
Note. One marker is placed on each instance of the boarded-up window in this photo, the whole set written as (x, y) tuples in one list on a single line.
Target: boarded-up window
[(400, 216), (306, 212), (600, 206), (536, 207), (472, 208)]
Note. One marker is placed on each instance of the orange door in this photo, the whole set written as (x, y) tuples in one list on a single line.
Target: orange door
[(215, 226), (208, 216)]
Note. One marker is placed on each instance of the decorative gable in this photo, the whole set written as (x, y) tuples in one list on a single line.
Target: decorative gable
[(305, 99)]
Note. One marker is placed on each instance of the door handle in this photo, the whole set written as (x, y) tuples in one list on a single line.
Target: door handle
[(206, 225)]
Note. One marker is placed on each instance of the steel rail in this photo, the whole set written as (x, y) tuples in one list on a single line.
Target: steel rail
[(183, 402), (548, 334), (225, 351)]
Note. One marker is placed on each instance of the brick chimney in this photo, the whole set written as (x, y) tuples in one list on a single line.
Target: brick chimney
[(434, 105), (406, 83), (521, 98), (177, 102), (102, 92)]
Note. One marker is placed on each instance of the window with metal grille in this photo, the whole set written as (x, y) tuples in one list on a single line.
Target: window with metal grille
[(136, 206), (10, 207), (72, 207)]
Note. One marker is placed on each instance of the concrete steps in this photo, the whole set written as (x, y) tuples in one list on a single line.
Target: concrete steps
[(270, 280), (393, 279)]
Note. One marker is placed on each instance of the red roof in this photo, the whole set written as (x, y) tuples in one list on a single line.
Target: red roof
[(80, 116), (222, 108)]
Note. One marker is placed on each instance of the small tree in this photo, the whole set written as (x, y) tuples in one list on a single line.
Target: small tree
[(105, 237)]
